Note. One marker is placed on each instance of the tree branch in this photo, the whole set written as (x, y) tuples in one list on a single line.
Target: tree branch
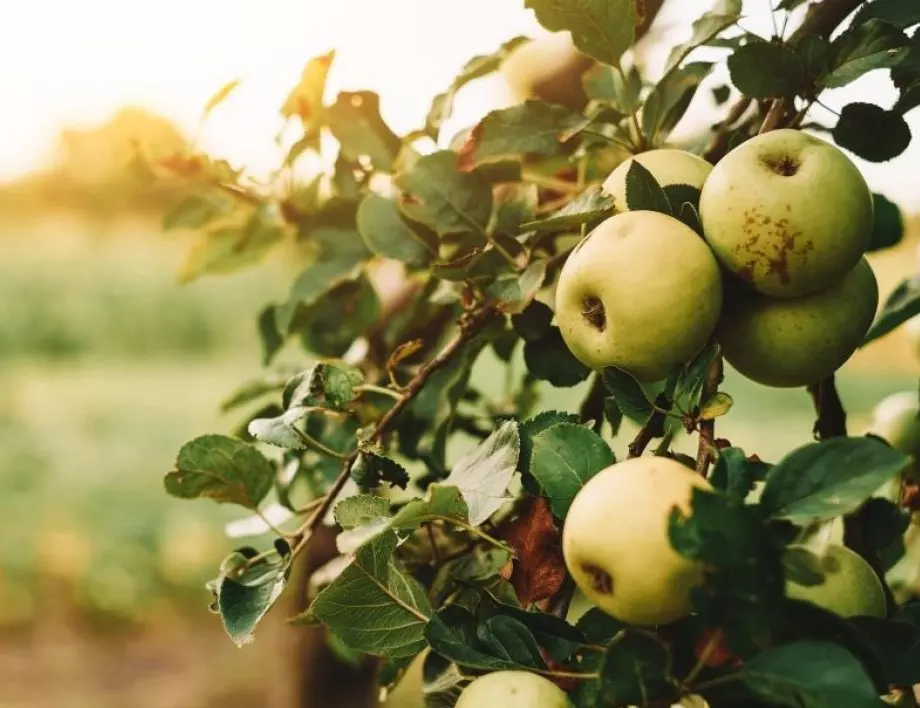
[(653, 428), (832, 418), (592, 408), (704, 452), (471, 323)]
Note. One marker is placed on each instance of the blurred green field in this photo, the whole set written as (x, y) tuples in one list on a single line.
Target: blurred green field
[(106, 367)]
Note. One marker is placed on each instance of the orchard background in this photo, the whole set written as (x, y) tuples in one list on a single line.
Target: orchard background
[(101, 594)]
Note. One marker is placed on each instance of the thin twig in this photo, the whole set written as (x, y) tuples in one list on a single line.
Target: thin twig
[(706, 447), (653, 428), (774, 116), (471, 324)]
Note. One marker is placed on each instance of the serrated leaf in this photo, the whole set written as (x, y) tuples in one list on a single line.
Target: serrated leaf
[(636, 670), (897, 644), (690, 216), (680, 194), (716, 405), (888, 226), (900, 13), (549, 359), (862, 48), (388, 235), (221, 468), (437, 194), (602, 29), (359, 509), (281, 430), (309, 287), (325, 384), (814, 674), (331, 325), (536, 425), (515, 205), (643, 191), (628, 394), (243, 605), (564, 457), (589, 207), (724, 14), (765, 69), (901, 305), (872, 132), (527, 129), (814, 51), (822, 480), (500, 642), (691, 381), (355, 121), (512, 293), (735, 474), (371, 470), (533, 322), (374, 606), (483, 474)]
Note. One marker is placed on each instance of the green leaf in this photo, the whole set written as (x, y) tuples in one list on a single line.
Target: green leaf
[(477, 67), (628, 394), (221, 468), (589, 207), (281, 430), (888, 227), (374, 606), (872, 132), (636, 670), (764, 70), (355, 121), (515, 204), (310, 286), (483, 475), (538, 424), (802, 566), (901, 305), (622, 90), (883, 523), (443, 503), (690, 216), (862, 48), (219, 97), (330, 326), (530, 128), (715, 406), (602, 29), (500, 642), (815, 53), (549, 359), (667, 102), (360, 509), (822, 480), (563, 457), (515, 291), (897, 643), (643, 192), (681, 194), (269, 336), (197, 210), (534, 322), (306, 99), (814, 674), (437, 194), (371, 470), (723, 14), (325, 384), (389, 235), (243, 602), (734, 474), (900, 13), (226, 247), (743, 591)]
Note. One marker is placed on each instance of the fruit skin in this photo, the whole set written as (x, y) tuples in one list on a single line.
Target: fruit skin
[(787, 343), (548, 68), (512, 689), (659, 288), (668, 166), (896, 419), (850, 586), (787, 236), (912, 330), (616, 546)]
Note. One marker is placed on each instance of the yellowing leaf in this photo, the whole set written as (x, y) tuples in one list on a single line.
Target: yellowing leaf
[(219, 97), (306, 98)]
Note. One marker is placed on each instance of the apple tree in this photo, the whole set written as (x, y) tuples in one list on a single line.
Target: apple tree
[(617, 552)]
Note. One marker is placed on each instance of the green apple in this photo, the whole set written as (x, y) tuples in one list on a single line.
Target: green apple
[(512, 689), (786, 343), (896, 419), (642, 292), (616, 546), (787, 212), (548, 68), (912, 330), (408, 693), (667, 166), (850, 586)]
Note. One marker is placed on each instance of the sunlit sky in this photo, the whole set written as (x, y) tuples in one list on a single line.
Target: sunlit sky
[(67, 62)]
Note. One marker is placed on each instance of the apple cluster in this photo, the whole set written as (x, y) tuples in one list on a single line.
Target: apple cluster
[(779, 280)]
